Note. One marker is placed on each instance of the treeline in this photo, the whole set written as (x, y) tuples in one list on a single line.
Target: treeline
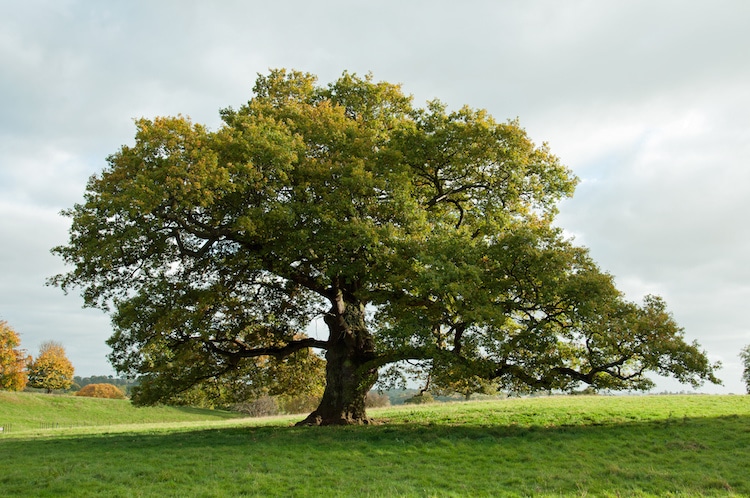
[(126, 385)]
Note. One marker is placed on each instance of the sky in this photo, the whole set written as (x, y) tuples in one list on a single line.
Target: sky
[(648, 102)]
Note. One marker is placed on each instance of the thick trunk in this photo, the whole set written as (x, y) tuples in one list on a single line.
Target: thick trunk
[(348, 379)]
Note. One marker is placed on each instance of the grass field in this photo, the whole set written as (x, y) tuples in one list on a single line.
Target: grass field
[(557, 446), (23, 412)]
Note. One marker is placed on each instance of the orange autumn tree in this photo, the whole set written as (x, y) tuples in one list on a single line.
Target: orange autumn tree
[(52, 369), (12, 360), (101, 391)]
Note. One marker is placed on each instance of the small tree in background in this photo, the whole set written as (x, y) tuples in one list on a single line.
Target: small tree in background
[(52, 369), (110, 391), (13, 361), (745, 355)]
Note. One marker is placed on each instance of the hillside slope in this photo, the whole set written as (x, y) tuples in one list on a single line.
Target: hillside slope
[(30, 411)]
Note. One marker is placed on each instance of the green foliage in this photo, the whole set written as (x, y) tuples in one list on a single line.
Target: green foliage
[(420, 399), (51, 370), (298, 374), (13, 360), (101, 391), (300, 403), (745, 357), (214, 250)]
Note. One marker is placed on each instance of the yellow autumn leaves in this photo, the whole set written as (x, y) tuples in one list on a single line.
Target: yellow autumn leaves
[(51, 370)]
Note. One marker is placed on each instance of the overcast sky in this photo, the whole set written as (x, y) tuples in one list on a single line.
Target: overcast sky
[(647, 101)]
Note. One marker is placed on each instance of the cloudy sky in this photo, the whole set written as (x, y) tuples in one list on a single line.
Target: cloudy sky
[(647, 101)]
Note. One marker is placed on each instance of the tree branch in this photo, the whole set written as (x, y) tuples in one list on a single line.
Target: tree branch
[(275, 351)]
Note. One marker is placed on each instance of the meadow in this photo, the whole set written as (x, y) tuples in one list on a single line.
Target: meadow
[(548, 446)]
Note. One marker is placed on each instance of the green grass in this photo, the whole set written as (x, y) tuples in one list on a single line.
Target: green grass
[(22, 412), (559, 446)]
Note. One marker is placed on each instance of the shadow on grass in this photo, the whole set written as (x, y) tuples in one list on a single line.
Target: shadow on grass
[(686, 456)]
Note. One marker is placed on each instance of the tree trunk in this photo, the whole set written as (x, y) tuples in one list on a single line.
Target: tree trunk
[(348, 379)]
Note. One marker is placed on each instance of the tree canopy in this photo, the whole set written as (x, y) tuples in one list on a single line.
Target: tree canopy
[(417, 234)]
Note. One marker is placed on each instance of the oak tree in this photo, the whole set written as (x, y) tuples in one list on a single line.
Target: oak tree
[(417, 234), (13, 360), (51, 370)]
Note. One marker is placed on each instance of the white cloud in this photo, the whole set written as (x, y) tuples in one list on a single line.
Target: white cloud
[(40, 313), (649, 103)]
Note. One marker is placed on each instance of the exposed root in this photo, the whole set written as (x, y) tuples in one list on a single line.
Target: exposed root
[(343, 419)]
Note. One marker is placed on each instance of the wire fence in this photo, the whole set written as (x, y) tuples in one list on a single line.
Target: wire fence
[(7, 428)]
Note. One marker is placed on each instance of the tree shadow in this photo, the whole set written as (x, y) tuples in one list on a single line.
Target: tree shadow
[(699, 456)]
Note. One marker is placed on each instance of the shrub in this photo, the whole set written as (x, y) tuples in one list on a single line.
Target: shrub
[(300, 403), (375, 399), (420, 399), (110, 391), (261, 407)]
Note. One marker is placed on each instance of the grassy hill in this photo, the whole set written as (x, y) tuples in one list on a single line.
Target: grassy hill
[(557, 446), (20, 412)]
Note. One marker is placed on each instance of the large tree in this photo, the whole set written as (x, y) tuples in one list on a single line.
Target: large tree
[(417, 234)]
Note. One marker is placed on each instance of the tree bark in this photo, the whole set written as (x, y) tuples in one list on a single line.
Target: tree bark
[(348, 378)]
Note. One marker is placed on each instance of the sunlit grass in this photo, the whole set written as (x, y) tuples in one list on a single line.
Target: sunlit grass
[(22, 412), (562, 446)]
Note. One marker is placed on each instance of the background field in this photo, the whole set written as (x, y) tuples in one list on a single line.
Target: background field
[(557, 446), (23, 412)]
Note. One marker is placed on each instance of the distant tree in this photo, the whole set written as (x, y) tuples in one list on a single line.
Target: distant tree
[(745, 356), (96, 379), (110, 391), (13, 360), (52, 369), (417, 234), (420, 399)]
